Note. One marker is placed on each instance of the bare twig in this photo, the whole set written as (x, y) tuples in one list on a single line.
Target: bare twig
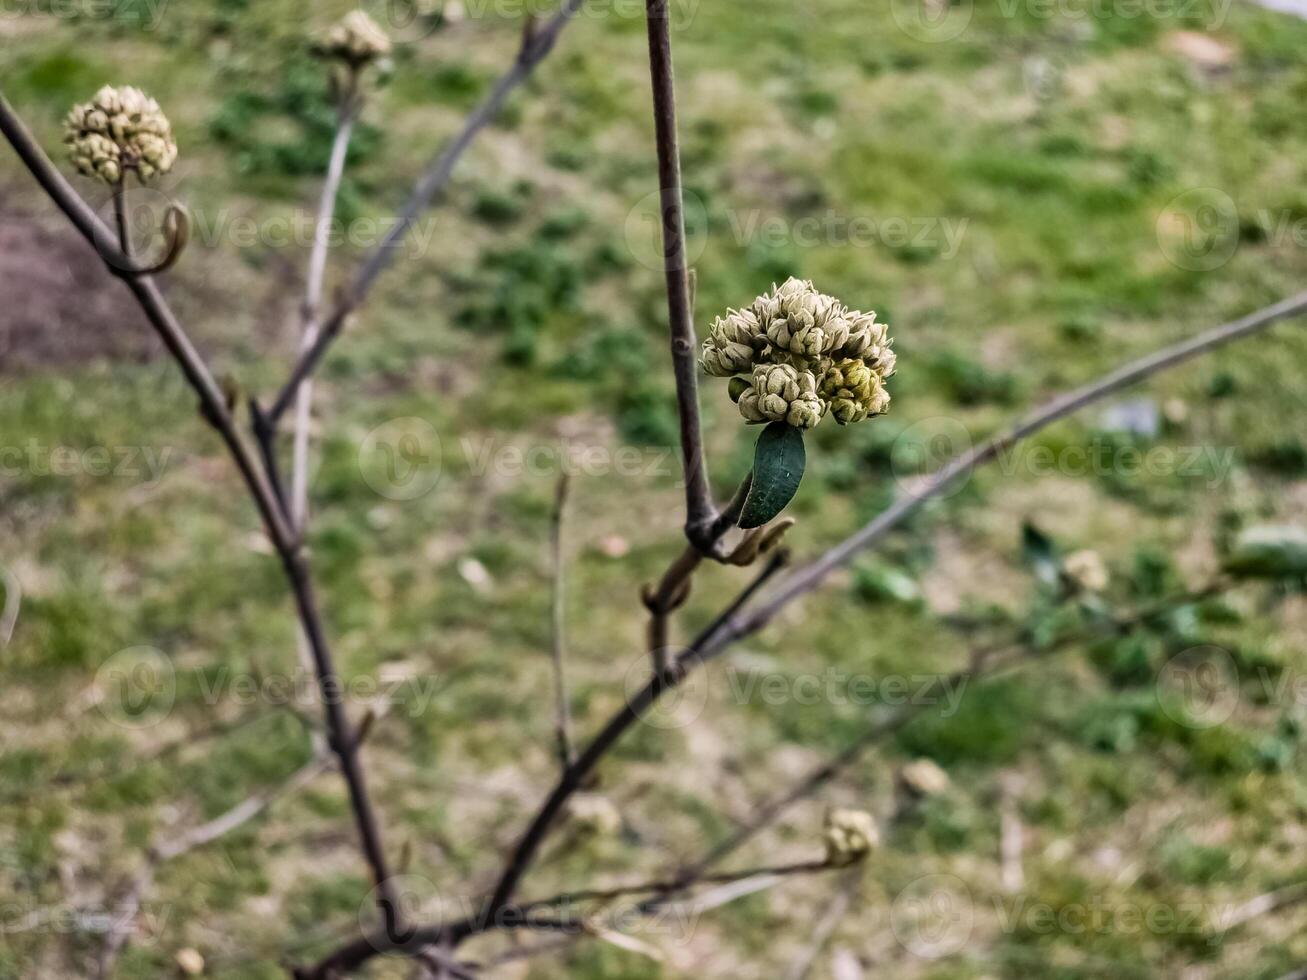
[(536, 47), (562, 705), (778, 560), (664, 887), (1265, 904), (674, 587), (120, 217), (12, 607), (265, 437), (700, 514), (297, 507), (213, 406), (299, 484)]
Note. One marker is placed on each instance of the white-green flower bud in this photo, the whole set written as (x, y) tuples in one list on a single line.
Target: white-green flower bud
[(924, 777), (805, 411), (356, 40), (849, 836), (854, 391), (120, 130), (808, 355), (865, 335), (733, 341), (750, 404)]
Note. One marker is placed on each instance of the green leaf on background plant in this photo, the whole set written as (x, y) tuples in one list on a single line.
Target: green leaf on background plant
[(778, 461), (1269, 552), (1041, 554)]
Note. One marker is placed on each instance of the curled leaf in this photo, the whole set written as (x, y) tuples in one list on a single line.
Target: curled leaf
[(778, 461)]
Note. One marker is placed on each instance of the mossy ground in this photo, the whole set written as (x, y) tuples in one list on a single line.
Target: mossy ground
[(1022, 179)]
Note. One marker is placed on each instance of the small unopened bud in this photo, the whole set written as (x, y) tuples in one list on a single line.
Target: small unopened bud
[(849, 835), (923, 777), (357, 40), (1085, 570), (190, 962)]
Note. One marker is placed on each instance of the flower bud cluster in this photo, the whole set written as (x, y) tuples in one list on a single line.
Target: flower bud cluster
[(802, 354), (849, 836), (357, 40), (120, 130)]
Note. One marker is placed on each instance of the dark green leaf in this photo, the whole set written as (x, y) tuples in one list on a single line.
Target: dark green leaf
[(1040, 554), (778, 462)]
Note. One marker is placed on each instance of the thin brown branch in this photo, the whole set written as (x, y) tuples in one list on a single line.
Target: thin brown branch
[(663, 887), (120, 217), (309, 312), (1265, 904), (213, 406), (562, 699), (535, 49), (674, 587), (13, 605), (265, 437), (700, 514)]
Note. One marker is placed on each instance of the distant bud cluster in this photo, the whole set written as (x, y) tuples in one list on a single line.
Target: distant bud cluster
[(797, 354), (356, 40), (849, 835), (121, 130)]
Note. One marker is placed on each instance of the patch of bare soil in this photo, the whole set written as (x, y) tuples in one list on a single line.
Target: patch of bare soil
[(58, 305)]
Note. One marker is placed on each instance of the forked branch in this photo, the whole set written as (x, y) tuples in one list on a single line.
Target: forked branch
[(536, 46)]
